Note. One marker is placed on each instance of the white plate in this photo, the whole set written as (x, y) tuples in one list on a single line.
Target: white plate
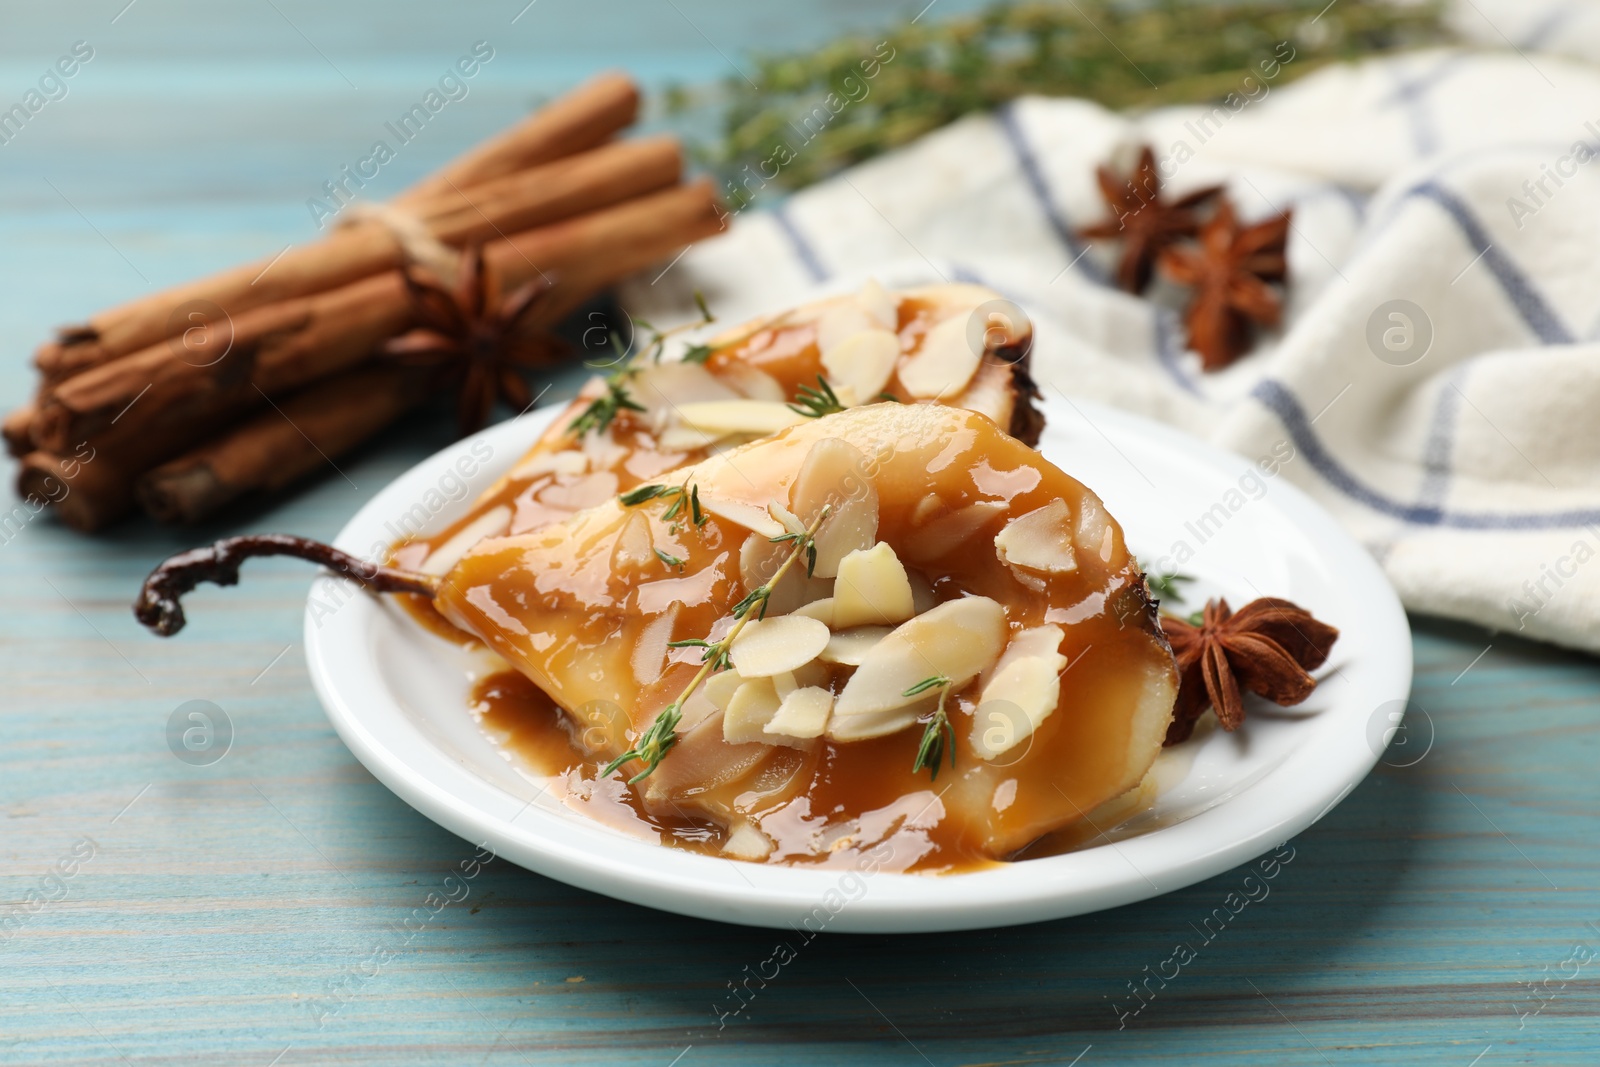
[(397, 695)]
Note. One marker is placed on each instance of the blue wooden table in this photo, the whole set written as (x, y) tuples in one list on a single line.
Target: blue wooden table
[(263, 909)]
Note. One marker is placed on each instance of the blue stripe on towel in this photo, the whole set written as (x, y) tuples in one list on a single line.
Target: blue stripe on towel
[(1033, 174), (1169, 350), (1413, 94), (1544, 31), (1288, 409), (1529, 304), (801, 245), (1440, 445)]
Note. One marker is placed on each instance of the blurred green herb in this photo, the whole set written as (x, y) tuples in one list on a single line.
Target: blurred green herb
[(1165, 586), (815, 403), (816, 111), (604, 408)]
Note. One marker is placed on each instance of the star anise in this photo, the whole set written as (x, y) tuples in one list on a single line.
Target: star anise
[(1229, 272), (480, 340), (1142, 219), (1267, 647)]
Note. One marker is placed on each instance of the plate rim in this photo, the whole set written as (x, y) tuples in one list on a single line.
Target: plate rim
[(774, 896)]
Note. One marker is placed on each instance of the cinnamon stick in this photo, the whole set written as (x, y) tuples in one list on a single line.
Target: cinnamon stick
[(304, 433), (283, 346), (549, 192), (591, 180), (85, 495), (587, 116), (112, 459)]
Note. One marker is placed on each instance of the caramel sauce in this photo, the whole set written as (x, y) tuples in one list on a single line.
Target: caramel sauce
[(569, 608), (825, 803), (788, 353), (517, 715)]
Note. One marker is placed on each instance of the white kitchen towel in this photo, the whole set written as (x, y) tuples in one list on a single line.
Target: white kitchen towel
[(1438, 375)]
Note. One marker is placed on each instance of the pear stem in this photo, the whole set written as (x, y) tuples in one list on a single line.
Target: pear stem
[(160, 608)]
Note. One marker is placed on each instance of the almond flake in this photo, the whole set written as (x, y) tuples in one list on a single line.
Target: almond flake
[(943, 364), (739, 513), (1020, 693), (945, 533), (759, 559), (1039, 541), (635, 547), (872, 589), (568, 461), (821, 610), (957, 640), (774, 645), (720, 687), (753, 705), (843, 320), (882, 306), (791, 522), (723, 417), (859, 366), (745, 842), (803, 713), (492, 523), (666, 386), (850, 647), (681, 438), (1094, 533), (834, 474), (650, 650), (753, 383)]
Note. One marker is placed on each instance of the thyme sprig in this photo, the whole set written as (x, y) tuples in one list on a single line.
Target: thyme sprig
[(1165, 586), (804, 540), (656, 343), (714, 650), (815, 403), (680, 495), (603, 409), (652, 746), (938, 736), (655, 339), (643, 493), (930, 71)]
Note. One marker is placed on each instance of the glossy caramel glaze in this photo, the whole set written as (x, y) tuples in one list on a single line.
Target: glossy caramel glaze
[(541, 489), (516, 715), (570, 606)]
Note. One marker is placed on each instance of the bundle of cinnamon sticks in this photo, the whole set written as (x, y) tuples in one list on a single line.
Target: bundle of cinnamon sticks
[(185, 400)]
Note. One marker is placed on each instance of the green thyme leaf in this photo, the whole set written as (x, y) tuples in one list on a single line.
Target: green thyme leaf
[(928, 72), (643, 493), (815, 403), (651, 746), (1165, 586), (938, 736), (925, 685), (603, 409)]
